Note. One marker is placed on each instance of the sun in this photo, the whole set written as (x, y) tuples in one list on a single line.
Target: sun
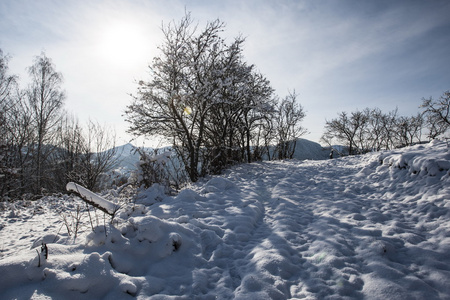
[(122, 43)]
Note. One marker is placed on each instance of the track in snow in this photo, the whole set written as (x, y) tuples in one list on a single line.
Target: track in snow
[(325, 229), (369, 227)]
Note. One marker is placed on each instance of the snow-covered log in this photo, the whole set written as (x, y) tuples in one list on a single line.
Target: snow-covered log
[(92, 198)]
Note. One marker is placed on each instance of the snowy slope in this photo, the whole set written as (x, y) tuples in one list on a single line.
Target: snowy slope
[(364, 227), (127, 157), (306, 149)]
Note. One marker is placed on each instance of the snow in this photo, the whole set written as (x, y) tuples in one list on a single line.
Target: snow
[(93, 198), (374, 226), (128, 158), (306, 149)]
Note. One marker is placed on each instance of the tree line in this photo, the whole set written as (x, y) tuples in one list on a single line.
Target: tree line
[(214, 107), (42, 147), (374, 130)]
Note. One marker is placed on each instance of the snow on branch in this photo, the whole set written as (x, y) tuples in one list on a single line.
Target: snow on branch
[(163, 157), (92, 198)]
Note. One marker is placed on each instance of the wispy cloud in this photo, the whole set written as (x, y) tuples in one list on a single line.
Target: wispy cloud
[(337, 54)]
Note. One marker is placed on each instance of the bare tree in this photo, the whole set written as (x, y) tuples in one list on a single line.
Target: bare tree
[(267, 134), (45, 100), (203, 97), (173, 103), (71, 145), (7, 85), (363, 143), (255, 110), (374, 133), (371, 129), (41, 147), (99, 155), (388, 137), (437, 115), (409, 130), (21, 137), (346, 129), (289, 116), (379, 128), (242, 106)]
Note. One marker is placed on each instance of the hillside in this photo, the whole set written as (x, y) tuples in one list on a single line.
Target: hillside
[(374, 226), (127, 157), (306, 149)]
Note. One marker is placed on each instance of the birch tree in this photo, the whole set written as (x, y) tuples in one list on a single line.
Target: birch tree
[(45, 100)]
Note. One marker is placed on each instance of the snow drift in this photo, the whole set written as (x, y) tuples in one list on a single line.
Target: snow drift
[(374, 226)]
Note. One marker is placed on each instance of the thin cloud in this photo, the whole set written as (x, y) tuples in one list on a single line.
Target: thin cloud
[(338, 55)]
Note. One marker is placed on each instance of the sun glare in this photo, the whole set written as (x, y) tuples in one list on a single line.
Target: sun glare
[(122, 43)]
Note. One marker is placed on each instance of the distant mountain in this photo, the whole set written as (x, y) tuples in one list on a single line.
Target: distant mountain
[(128, 157), (306, 149)]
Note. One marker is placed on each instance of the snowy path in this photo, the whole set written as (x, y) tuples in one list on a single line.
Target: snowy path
[(325, 228), (299, 247), (369, 227)]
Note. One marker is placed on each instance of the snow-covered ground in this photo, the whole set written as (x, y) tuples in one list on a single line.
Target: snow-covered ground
[(364, 227)]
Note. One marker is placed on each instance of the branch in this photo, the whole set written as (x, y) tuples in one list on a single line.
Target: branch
[(93, 199)]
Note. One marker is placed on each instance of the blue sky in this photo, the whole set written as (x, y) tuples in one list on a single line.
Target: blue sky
[(337, 55)]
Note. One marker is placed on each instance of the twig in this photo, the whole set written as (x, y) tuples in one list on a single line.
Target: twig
[(39, 257), (90, 218), (56, 236)]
